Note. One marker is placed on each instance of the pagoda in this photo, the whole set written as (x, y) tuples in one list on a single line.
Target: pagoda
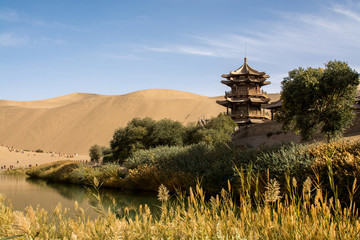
[(246, 97)]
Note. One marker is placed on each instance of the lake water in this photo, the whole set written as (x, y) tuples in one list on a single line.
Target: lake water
[(23, 191)]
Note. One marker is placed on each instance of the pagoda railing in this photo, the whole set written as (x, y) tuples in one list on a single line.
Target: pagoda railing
[(238, 115), (228, 93), (245, 93)]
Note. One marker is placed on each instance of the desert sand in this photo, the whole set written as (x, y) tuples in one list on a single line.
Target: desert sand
[(19, 158), (72, 123)]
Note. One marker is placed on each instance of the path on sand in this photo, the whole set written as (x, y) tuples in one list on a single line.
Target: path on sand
[(19, 158)]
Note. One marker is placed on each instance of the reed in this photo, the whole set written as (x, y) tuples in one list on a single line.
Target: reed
[(301, 212)]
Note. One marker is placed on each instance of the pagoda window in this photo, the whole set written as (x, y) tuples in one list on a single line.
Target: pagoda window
[(241, 109), (252, 89), (255, 110), (242, 90)]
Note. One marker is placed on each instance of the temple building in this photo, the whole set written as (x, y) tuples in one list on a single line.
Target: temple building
[(246, 97)]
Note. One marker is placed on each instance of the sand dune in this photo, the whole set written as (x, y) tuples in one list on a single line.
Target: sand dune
[(50, 103), (72, 123)]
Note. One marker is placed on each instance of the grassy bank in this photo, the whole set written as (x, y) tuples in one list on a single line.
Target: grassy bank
[(301, 212), (213, 165), (14, 171), (110, 175)]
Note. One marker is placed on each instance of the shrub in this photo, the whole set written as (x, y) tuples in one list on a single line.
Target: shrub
[(95, 153), (105, 150), (279, 160), (217, 129), (212, 164), (146, 133), (180, 167), (109, 158), (344, 160)]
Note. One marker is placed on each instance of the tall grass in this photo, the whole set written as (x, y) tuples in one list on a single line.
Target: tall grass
[(76, 173), (213, 165), (301, 212)]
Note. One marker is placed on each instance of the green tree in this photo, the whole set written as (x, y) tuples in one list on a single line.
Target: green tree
[(167, 133), (144, 134), (105, 150), (319, 99), (217, 129), (133, 137), (147, 133), (95, 153), (222, 123)]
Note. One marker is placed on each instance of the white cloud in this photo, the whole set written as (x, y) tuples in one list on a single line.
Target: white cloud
[(10, 39)]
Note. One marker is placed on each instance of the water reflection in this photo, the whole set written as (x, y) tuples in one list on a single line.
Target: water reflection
[(23, 191), (68, 191)]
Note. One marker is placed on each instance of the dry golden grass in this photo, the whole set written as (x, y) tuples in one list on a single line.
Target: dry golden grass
[(301, 213)]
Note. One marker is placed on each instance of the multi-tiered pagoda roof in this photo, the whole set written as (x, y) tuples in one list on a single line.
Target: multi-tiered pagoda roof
[(245, 98)]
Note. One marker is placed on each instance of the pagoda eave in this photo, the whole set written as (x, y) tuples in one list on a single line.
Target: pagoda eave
[(233, 74), (226, 82), (231, 82), (248, 100), (248, 121), (224, 103)]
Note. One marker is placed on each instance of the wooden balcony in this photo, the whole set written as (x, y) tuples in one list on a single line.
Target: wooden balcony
[(238, 115), (230, 94)]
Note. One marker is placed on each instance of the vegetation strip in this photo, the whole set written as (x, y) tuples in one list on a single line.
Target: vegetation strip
[(300, 212)]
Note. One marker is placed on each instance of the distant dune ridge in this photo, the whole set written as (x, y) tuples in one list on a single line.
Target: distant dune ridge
[(72, 123)]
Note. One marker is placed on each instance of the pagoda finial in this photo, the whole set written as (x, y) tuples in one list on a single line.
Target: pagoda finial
[(245, 60)]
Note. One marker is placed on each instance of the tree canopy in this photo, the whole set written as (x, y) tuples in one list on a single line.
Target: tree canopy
[(95, 153), (147, 133), (319, 99)]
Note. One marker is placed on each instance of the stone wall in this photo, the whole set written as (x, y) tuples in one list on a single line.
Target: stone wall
[(270, 133)]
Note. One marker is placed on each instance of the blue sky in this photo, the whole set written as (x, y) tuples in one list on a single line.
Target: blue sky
[(53, 48)]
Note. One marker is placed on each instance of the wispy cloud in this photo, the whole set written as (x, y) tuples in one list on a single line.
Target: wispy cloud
[(184, 49), (10, 39), (346, 12), (128, 57), (333, 31), (141, 19), (9, 15), (53, 41), (16, 37)]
